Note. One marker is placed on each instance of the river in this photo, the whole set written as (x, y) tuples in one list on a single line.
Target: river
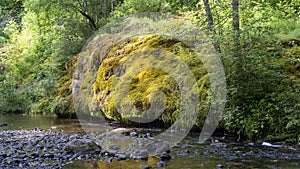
[(188, 154)]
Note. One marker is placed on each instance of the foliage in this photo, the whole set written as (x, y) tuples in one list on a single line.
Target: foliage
[(35, 55)]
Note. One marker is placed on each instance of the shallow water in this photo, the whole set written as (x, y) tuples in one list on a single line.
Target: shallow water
[(234, 155), (44, 122)]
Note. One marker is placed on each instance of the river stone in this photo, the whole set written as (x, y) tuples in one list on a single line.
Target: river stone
[(219, 166), (109, 160), (125, 131), (3, 125), (161, 164), (140, 154), (120, 157), (165, 156), (157, 148), (81, 145)]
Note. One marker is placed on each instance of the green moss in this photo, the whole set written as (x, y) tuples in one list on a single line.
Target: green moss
[(148, 80), (63, 105), (282, 137)]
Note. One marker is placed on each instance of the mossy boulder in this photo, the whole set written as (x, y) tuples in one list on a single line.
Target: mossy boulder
[(108, 57)]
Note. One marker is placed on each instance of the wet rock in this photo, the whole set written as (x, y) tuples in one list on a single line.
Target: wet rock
[(81, 145), (3, 125), (270, 145), (161, 164), (133, 134), (120, 157), (165, 156), (114, 147), (184, 153), (140, 154), (219, 166), (216, 143), (109, 160), (104, 152), (124, 131)]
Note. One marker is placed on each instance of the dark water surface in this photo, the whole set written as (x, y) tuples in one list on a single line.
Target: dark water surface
[(188, 154)]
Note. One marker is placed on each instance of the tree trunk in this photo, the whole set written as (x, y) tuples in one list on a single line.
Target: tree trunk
[(235, 21), (104, 9), (210, 21), (238, 55), (112, 5), (90, 19)]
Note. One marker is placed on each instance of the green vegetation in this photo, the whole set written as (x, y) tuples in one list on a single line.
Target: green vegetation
[(259, 45)]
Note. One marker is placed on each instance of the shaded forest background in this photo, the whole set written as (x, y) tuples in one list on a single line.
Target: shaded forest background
[(258, 42)]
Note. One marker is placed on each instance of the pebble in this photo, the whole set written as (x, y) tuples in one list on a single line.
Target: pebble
[(120, 157), (109, 160), (219, 166)]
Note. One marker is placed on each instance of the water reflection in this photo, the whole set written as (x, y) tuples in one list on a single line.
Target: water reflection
[(44, 122)]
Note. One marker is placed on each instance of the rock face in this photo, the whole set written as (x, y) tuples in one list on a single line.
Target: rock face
[(81, 145)]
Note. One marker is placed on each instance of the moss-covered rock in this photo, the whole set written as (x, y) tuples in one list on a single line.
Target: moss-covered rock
[(148, 69), (147, 81), (113, 59), (63, 104)]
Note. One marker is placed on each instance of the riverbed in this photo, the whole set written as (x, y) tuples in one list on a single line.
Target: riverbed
[(221, 153)]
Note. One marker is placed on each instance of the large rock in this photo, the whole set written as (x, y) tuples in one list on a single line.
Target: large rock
[(153, 91), (81, 145)]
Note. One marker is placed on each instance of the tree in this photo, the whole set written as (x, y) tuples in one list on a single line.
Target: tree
[(210, 21)]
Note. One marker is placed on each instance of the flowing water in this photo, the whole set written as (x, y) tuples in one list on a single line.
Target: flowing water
[(188, 154)]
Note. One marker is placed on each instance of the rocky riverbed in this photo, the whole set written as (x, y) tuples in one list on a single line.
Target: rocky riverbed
[(48, 149)]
